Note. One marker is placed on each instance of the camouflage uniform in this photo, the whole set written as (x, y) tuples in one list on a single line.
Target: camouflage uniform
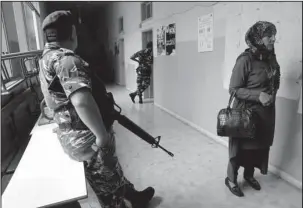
[(61, 74), (144, 70)]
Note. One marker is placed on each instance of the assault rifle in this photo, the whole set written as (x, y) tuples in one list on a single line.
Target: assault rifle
[(131, 126), (127, 123)]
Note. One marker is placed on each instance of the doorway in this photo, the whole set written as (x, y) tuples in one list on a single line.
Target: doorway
[(149, 92), (120, 72)]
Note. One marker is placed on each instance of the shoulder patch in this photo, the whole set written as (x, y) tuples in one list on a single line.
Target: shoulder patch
[(69, 53)]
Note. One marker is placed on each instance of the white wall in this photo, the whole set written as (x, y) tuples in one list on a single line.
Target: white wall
[(132, 35), (191, 84)]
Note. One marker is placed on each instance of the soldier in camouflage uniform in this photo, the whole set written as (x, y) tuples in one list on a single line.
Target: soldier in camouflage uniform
[(84, 131), (145, 60)]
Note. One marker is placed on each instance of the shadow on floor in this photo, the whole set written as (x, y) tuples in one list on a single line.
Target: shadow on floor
[(69, 205)]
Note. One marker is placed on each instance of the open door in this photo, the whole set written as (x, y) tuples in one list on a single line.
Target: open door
[(149, 92)]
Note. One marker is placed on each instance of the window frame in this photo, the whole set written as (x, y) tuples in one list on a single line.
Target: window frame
[(144, 5), (5, 31), (34, 12), (32, 7), (4, 82), (8, 86)]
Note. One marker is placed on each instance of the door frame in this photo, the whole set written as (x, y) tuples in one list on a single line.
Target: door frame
[(121, 72), (152, 75)]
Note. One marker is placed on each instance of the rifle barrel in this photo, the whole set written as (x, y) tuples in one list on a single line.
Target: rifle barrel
[(131, 126)]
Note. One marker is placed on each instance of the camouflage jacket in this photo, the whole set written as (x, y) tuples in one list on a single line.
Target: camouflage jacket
[(145, 57), (62, 73)]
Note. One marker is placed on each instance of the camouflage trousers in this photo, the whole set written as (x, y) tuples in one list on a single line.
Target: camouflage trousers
[(143, 83), (105, 175)]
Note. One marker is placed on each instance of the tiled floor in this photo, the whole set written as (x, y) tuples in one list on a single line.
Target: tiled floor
[(194, 178)]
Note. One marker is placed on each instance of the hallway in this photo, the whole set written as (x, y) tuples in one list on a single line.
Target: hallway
[(194, 178)]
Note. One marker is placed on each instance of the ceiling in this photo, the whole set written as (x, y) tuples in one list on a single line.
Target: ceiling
[(66, 5)]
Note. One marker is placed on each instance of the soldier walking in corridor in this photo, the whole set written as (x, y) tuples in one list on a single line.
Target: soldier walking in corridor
[(81, 106), (145, 60)]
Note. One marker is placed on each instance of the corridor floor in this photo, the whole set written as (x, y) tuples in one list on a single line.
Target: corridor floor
[(194, 178)]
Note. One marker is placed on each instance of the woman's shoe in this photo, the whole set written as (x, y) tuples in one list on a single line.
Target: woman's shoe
[(253, 183), (235, 189)]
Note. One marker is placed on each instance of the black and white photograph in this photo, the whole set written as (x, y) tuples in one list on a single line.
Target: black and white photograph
[(151, 104), (170, 42), (161, 37)]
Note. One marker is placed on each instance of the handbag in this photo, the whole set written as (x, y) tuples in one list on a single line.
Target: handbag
[(239, 123)]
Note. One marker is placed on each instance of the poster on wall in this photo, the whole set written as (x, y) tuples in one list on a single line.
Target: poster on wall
[(205, 33), (170, 42), (161, 50)]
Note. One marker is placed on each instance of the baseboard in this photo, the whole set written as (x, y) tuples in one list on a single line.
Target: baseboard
[(148, 99), (285, 176), (278, 172)]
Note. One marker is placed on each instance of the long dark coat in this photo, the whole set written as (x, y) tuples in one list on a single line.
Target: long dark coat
[(249, 78)]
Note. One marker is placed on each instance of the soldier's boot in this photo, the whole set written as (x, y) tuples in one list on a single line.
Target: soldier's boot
[(112, 201), (139, 199), (132, 96), (140, 99)]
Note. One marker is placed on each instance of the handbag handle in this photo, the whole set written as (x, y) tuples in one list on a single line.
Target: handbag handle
[(231, 98)]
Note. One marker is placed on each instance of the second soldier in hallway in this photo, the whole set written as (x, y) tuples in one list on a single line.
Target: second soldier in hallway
[(144, 70)]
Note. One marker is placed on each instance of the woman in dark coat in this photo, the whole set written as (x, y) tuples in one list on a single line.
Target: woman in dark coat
[(255, 80)]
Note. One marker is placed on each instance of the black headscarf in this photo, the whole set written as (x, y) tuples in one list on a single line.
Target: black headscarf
[(253, 39)]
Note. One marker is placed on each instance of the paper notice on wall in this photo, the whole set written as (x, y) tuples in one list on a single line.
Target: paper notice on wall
[(206, 33), (170, 42), (161, 35)]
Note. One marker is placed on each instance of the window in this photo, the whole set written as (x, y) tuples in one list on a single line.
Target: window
[(32, 25), (33, 29), (8, 75), (16, 38), (146, 10), (36, 6), (6, 71), (121, 24)]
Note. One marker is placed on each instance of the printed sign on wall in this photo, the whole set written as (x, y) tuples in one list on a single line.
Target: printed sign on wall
[(161, 50), (206, 33), (171, 39), (166, 40)]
